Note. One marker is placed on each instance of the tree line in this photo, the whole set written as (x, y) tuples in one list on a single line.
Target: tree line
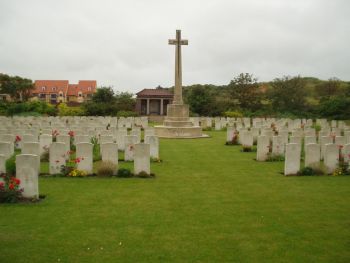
[(283, 97), (244, 95)]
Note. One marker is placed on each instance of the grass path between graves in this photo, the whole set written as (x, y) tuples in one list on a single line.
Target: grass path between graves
[(208, 203)]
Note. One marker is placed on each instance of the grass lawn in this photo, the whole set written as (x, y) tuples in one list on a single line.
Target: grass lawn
[(208, 203)]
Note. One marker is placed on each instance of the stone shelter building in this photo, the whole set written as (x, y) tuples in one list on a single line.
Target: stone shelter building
[(153, 101)]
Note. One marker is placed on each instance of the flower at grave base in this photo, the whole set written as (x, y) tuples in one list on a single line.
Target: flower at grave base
[(11, 186), (18, 138), (71, 133), (1, 184), (340, 146), (17, 181), (57, 161)]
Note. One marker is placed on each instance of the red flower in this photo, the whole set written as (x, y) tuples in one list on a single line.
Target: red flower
[(71, 133), (1, 184), (57, 161), (18, 138), (11, 186), (340, 146)]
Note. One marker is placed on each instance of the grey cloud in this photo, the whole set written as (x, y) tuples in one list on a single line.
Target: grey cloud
[(124, 43)]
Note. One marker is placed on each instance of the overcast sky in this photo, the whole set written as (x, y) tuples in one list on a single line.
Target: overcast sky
[(124, 43)]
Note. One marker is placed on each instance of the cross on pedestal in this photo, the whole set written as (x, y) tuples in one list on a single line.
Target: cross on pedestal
[(178, 42)]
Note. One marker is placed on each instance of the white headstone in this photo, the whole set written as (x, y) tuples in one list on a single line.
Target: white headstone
[(66, 140), (325, 140), (346, 153), (331, 157), (121, 133), (312, 155), (292, 159), (130, 141), (84, 153), (109, 152), (262, 148), (153, 141), (106, 139), (246, 138), (57, 157), (277, 145), (29, 138), (142, 158), (45, 142), (81, 139), (230, 133), (27, 171), (309, 139), (2, 164)]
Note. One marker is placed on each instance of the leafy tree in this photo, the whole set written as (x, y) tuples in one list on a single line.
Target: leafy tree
[(106, 102), (18, 88), (329, 88), (104, 95), (125, 101), (245, 92), (200, 99), (335, 108), (288, 94)]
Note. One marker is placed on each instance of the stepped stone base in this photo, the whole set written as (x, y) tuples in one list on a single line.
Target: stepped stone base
[(179, 132), (178, 125)]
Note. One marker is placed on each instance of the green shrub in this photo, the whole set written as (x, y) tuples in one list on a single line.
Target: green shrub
[(31, 107), (246, 149), (106, 169), (96, 150), (143, 174), (127, 114), (233, 114), (308, 171), (11, 166), (272, 157), (123, 172), (64, 110)]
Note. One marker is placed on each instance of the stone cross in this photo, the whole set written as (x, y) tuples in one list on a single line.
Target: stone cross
[(178, 66)]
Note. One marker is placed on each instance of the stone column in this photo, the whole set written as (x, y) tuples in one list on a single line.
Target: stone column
[(147, 112), (161, 107)]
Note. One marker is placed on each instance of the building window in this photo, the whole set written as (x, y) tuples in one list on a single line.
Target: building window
[(89, 88), (43, 88), (79, 94), (54, 88), (53, 96), (61, 94)]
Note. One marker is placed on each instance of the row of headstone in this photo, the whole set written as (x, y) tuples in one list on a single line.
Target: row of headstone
[(28, 165), (331, 156), (68, 121), (45, 140)]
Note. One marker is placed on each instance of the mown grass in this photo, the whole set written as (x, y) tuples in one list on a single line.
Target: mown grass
[(208, 203)]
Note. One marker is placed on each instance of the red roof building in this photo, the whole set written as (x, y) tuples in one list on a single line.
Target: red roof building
[(153, 101), (55, 91)]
